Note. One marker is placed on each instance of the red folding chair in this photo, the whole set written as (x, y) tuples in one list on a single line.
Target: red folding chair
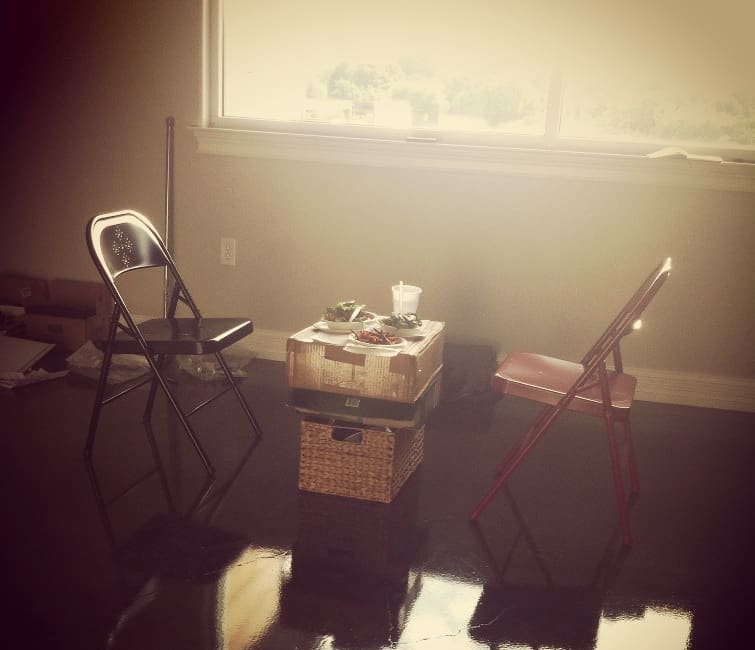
[(588, 387)]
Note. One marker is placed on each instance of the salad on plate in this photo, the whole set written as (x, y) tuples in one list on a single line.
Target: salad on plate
[(408, 325), (346, 315)]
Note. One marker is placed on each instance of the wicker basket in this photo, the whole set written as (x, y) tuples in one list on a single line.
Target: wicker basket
[(356, 461)]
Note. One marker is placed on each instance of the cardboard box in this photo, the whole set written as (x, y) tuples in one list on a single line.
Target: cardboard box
[(22, 291), (78, 311), (368, 410), (357, 461), (315, 365)]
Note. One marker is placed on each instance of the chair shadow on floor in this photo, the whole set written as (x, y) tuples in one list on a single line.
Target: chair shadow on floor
[(541, 611)]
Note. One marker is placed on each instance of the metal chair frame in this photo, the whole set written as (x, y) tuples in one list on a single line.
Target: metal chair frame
[(590, 394), (125, 241)]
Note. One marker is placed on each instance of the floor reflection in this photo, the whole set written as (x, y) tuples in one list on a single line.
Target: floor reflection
[(439, 615), (209, 492), (135, 551), (359, 576), (351, 578), (188, 584), (248, 601), (657, 628)]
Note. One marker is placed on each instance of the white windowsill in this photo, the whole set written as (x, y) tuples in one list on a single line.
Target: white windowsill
[(623, 168)]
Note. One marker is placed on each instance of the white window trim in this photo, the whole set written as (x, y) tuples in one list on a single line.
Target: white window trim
[(526, 156), (623, 168)]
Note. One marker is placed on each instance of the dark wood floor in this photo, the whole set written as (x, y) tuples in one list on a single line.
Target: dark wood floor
[(258, 564)]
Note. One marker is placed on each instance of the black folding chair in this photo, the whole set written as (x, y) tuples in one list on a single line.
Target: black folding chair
[(126, 241)]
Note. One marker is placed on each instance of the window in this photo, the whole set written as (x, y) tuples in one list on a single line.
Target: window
[(485, 73)]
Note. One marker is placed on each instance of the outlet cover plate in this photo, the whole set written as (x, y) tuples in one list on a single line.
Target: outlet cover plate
[(228, 251)]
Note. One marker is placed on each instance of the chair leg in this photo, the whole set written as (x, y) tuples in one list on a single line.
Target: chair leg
[(523, 441), (157, 369), (631, 459), (516, 456), (99, 395), (618, 481), (159, 466), (153, 390), (239, 395)]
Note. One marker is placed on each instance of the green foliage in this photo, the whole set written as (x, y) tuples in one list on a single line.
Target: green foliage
[(415, 82), (686, 118), (362, 82), (647, 112), (423, 98), (495, 103), (502, 104)]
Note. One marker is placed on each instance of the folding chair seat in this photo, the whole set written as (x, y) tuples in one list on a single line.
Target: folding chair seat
[(588, 387), (126, 242)]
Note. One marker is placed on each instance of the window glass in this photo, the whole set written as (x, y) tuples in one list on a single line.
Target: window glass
[(404, 65), (482, 71), (652, 111)]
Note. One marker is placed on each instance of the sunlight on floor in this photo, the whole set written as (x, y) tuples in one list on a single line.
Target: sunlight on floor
[(657, 629), (435, 615), (248, 597)]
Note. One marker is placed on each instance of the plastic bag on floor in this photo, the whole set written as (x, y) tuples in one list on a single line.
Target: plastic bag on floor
[(87, 362), (206, 368)]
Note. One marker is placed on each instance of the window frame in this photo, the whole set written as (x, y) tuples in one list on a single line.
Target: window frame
[(547, 155)]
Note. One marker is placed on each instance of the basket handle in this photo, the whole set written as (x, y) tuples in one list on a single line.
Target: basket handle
[(352, 435)]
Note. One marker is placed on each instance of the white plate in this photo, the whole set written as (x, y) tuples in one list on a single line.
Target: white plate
[(356, 347), (322, 326), (345, 327), (330, 338)]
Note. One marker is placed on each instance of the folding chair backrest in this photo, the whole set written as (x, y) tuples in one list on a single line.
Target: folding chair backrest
[(626, 318), (125, 241)]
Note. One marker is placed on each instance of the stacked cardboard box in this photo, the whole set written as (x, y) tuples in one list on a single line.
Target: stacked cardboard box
[(78, 311), (66, 312), (315, 365), (389, 397)]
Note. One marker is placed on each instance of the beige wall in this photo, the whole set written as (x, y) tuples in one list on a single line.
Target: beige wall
[(511, 262)]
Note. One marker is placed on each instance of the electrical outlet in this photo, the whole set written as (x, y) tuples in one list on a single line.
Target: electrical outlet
[(228, 251)]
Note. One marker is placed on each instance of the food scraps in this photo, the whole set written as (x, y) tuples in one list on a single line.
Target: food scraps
[(376, 337)]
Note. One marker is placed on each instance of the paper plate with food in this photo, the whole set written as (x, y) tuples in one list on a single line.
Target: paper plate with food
[(345, 316), (405, 325), (375, 341)]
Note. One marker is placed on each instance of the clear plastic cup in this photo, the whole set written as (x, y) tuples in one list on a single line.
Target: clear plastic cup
[(405, 298)]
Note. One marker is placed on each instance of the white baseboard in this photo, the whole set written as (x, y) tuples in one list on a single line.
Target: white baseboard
[(667, 387), (708, 391), (269, 344)]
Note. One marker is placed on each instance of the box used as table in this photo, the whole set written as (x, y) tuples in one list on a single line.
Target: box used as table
[(314, 365), (368, 410), (357, 461)]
